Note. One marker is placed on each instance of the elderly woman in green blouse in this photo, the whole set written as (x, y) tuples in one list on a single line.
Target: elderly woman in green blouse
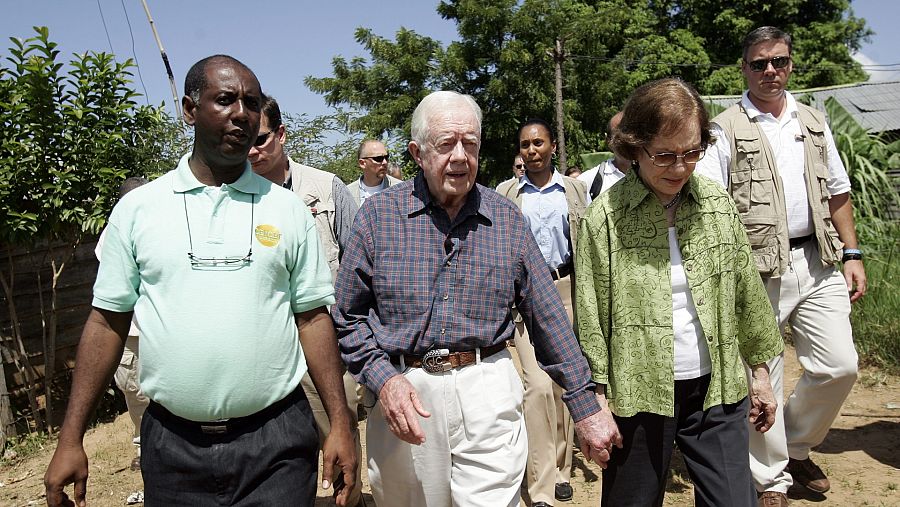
[(668, 303)]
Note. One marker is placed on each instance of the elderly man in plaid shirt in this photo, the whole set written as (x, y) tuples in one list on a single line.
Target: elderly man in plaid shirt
[(424, 297)]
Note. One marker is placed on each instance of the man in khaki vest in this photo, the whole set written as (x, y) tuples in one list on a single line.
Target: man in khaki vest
[(778, 160), (333, 209)]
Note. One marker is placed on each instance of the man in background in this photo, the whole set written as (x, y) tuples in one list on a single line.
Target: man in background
[(333, 209), (373, 159), (127, 374), (598, 179)]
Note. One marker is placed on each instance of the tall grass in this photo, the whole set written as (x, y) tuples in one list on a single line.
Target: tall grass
[(876, 317)]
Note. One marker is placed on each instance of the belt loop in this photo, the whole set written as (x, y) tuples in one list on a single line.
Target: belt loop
[(477, 355)]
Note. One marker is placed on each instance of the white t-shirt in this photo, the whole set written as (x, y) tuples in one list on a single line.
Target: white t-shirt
[(366, 191), (611, 175), (691, 351)]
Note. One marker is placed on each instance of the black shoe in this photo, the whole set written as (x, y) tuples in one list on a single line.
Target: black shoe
[(563, 491)]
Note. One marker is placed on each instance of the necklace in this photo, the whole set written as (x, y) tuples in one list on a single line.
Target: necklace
[(674, 200)]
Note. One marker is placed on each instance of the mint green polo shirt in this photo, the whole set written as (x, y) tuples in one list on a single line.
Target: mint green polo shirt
[(217, 341)]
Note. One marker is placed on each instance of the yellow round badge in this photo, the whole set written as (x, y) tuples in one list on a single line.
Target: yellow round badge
[(268, 235)]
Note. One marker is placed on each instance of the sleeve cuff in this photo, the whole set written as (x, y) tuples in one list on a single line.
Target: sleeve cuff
[(583, 404), (302, 306), (378, 372)]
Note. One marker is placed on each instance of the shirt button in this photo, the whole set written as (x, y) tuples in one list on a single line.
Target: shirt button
[(443, 331), (700, 302), (449, 263), (446, 297), (689, 266)]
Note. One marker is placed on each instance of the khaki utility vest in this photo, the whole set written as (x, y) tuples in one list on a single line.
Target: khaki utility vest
[(757, 188), (575, 198), (315, 187)]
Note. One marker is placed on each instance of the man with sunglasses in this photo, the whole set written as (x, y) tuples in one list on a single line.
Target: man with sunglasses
[(373, 161), (778, 160), (333, 209), (225, 270)]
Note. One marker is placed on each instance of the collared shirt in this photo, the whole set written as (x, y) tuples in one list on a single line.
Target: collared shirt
[(785, 137), (413, 280), (547, 213), (624, 297), (610, 173), (217, 341)]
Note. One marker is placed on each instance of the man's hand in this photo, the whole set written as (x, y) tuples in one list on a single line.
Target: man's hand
[(855, 275), (598, 433), (339, 450), (68, 466), (762, 401), (401, 407)]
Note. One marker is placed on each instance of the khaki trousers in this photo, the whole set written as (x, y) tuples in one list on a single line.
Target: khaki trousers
[(127, 380), (324, 425), (814, 300), (551, 431)]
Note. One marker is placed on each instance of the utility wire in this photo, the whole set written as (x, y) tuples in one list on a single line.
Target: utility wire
[(830, 66), (134, 53), (103, 19)]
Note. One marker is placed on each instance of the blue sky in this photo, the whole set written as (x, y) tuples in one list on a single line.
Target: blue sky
[(282, 41)]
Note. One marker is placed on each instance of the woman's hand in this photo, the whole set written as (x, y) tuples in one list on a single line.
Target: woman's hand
[(762, 401)]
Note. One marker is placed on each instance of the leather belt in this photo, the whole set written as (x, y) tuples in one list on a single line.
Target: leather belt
[(561, 272), (227, 426), (441, 360), (798, 242)]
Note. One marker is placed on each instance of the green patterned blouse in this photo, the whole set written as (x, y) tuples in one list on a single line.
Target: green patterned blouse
[(624, 294)]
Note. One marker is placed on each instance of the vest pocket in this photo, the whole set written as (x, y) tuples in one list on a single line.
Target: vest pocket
[(762, 233)]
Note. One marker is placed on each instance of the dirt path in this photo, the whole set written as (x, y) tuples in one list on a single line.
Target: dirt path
[(861, 456)]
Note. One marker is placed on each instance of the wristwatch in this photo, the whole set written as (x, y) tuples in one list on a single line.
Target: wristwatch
[(852, 254)]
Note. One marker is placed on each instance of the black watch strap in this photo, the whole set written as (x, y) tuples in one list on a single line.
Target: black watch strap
[(851, 257)]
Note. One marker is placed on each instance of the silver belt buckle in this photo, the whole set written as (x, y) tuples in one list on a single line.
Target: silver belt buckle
[(434, 361)]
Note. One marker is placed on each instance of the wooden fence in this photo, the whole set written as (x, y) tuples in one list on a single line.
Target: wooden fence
[(31, 272)]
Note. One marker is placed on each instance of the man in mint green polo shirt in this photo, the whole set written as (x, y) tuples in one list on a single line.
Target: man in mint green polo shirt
[(226, 272)]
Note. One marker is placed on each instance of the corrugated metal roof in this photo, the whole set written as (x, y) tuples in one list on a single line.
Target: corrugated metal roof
[(876, 106)]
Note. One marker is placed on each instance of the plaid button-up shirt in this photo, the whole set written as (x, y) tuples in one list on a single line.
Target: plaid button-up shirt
[(412, 280)]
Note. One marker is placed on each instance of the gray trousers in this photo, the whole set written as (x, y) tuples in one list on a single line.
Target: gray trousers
[(713, 443)]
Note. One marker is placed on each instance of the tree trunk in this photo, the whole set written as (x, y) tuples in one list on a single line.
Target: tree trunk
[(558, 57)]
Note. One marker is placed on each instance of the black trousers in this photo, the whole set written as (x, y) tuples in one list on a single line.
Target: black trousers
[(268, 458), (714, 444)]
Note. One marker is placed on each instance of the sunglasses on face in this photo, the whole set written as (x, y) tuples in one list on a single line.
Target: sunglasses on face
[(262, 138), (379, 159), (667, 159), (779, 62), (520, 166)]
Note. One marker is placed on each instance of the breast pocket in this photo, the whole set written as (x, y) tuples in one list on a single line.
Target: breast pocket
[(487, 290), (401, 285)]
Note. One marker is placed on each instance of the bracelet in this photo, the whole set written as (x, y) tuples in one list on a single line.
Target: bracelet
[(851, 257), (852, 251)]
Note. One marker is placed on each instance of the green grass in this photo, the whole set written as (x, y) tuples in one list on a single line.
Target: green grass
[(24, 446), (876, 317)]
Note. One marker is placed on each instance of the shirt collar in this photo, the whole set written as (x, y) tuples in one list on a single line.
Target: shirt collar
[(555, 179), (185, 181), (420, 200), (753, 111)]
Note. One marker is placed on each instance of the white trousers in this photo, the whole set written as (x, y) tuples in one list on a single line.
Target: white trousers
[(475, 442), (127, 380), (815, 301)]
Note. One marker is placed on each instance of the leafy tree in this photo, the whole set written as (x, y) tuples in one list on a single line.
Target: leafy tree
[(67, 140), (503, 59)]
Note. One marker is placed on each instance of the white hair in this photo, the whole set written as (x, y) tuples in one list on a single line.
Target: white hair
[(433, 103)]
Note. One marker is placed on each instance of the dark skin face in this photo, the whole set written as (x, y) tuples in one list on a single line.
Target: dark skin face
[(226, 122)]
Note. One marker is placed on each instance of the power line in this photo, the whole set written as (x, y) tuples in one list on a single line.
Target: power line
[(134, 53), (829, 66), (103, 19)]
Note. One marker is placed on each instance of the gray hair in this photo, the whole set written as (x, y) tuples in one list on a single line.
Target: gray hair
[(432, 104)]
